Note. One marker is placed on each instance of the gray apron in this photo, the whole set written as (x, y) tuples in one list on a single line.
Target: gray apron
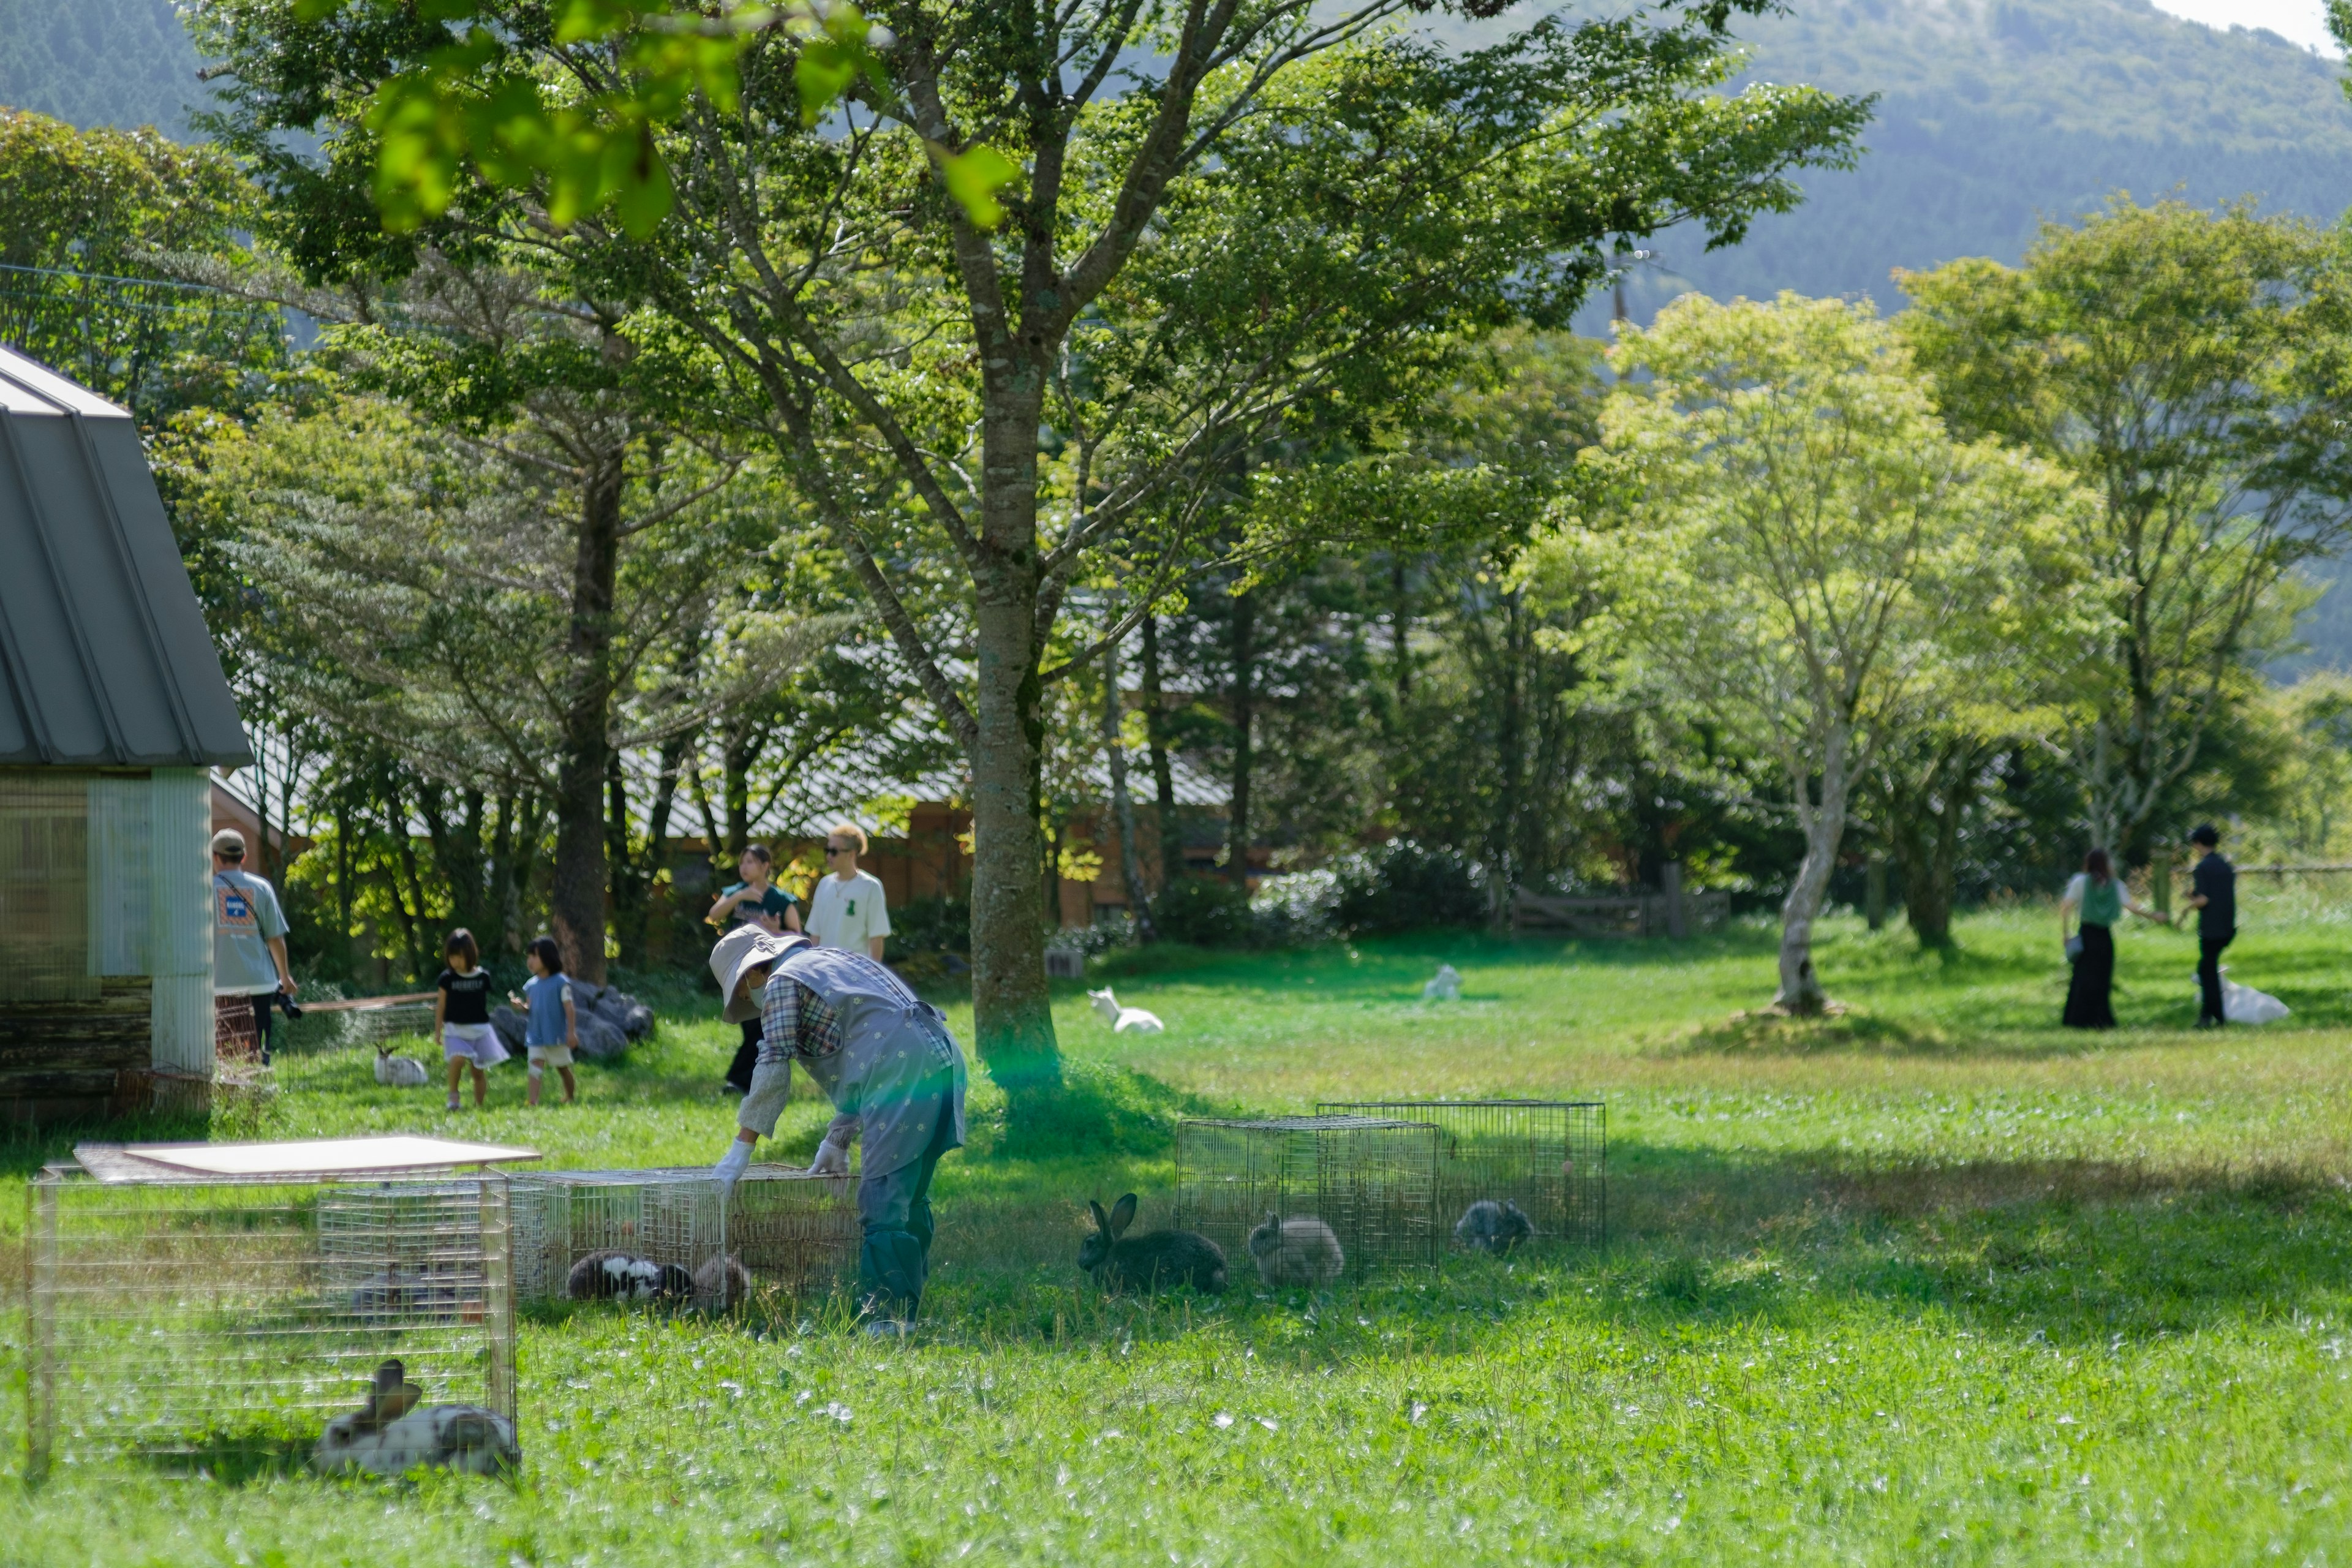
[(898, 1068)]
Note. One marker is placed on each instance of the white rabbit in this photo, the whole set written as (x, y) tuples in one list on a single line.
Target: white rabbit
[(1122, 1019), (393, 1434), (399, 1072), (1446, 987)]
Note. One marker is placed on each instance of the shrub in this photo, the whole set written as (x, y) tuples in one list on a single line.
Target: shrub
[(1296, 911), (1403, 885), (928, 925), (1206, 911)]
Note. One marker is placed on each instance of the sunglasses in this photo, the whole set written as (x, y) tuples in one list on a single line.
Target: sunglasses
[(841, 849)]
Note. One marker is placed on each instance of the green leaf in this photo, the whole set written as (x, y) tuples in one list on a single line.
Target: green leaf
[(974, 176), (579, 20), (639, 182), (823, 74)]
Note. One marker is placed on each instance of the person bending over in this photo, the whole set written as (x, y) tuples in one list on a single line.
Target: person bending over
[(896, 1078)]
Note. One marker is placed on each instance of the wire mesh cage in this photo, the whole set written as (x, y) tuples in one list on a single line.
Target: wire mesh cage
[(216, 1325), (1547, 1157), (783, 1229), (1371, 1180)]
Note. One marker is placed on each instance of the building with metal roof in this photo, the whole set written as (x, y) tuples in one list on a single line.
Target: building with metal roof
[(113, 711)]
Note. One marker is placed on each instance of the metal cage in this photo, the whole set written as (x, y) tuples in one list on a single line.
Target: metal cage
[(789, 1230), (1548, 1156), (1371, 1179), (213, 1324)]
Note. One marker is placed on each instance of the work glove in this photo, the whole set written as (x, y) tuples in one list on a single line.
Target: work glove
[(832, 1158), (731, 1165)]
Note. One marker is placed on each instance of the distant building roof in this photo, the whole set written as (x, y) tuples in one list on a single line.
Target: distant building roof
[(104, 657)]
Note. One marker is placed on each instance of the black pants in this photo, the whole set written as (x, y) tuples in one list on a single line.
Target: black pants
[(895, 1261), (747, 1057), (2208, 974), (265, 1004), (2090, 995)]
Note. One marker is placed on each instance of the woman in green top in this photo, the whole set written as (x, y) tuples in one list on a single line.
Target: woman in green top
[(2097, 898)]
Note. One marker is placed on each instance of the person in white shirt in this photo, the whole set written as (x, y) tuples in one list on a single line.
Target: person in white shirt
[(847, 908)]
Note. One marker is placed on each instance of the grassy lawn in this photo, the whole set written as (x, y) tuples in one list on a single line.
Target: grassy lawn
[(1931, 1281)]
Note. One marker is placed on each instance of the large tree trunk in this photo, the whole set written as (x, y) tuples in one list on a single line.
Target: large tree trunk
[(1122, 804), (1163, 779), (1244, 704), (1510, 764), (1800, 987), (576, 899), (1012, 1014), (1924, 814)]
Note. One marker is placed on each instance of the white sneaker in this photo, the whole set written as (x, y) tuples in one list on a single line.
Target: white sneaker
[(454, 1105)]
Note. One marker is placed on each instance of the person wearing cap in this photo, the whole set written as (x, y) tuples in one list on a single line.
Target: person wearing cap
[(248, 936), (896, 1078)]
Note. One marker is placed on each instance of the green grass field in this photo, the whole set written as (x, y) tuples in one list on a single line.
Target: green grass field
[(1933, 1282)]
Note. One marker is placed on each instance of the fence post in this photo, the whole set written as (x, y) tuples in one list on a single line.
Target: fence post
[(41, 1306), (1670, 879)]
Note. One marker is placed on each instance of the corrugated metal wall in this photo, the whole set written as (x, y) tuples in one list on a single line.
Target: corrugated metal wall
[(107, 876), (179, 916)]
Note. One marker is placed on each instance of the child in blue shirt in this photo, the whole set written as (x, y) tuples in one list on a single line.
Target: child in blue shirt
[(553, 1031)]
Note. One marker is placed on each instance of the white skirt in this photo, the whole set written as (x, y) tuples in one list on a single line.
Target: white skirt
[(476, 1043)]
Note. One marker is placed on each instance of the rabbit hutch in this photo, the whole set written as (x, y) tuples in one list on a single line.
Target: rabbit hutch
[(1549, 1157), (113, 710), (208, 1308), (1373, 1179), (672, 1236)]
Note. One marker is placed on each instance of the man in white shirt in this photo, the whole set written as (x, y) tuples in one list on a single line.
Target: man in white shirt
[(847, 907), (248, 938)]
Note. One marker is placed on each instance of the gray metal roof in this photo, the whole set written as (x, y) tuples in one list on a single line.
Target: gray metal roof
[(104, 657)]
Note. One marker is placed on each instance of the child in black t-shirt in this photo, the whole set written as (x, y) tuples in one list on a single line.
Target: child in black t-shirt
[(461, 1017)]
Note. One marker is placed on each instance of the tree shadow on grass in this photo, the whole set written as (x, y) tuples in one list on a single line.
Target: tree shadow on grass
[(1863, 1032), (2065, 1251), (2075, 1250)]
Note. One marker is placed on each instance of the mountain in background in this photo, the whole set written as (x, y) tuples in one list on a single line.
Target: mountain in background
[(126, 63), (1993, 117)]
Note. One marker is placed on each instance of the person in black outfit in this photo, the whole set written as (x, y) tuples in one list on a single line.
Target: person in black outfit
[(2097, 897), (754, 900), (2214, 896)]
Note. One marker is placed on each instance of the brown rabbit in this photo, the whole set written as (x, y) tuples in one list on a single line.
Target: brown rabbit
[(1159, 1260)]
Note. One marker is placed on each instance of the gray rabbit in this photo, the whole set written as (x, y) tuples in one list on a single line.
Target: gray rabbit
[(1300, 1251), (722, 1282), (1158, 1260), (393, 1434), (1494, 1227)]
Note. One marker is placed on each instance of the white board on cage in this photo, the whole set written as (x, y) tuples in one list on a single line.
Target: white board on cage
[(314, 1159)]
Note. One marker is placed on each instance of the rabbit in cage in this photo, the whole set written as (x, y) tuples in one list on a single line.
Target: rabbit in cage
[(399, 1072), (393, 1434), (652, 1281), (1494, 1227), (1300, 1251), (1158, 1260), (722, 1282), (600, 1276), (615, 1276)]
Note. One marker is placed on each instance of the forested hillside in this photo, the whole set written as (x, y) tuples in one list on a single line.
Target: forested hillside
[(99, 62), (1998, 113)]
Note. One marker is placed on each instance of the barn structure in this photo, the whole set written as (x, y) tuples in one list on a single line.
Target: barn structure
[(113, 711)]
